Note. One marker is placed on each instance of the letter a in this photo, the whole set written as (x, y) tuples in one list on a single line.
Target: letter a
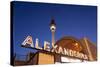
[(28, 41)]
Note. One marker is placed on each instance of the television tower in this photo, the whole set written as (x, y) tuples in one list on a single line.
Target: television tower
[(53, 29)]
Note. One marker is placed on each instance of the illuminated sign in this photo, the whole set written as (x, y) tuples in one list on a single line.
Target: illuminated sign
[(28, 41)]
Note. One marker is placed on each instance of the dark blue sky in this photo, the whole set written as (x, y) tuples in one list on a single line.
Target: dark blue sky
[(34, 18)]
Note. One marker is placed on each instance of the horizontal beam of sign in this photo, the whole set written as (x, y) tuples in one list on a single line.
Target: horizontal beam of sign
[(42, 50)]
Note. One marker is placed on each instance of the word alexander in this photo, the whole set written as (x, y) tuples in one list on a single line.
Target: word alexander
[(29, 42)]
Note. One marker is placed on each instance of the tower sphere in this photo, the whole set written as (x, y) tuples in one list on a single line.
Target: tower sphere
[(53, 25)]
